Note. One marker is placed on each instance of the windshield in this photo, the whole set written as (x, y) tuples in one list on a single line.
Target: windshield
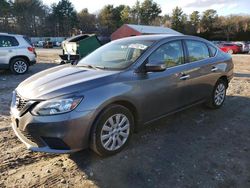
[(116, 55)]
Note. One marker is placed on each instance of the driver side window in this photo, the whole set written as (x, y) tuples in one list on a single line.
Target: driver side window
[(170, 54)]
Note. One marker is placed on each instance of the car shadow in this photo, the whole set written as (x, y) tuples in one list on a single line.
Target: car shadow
[(188, 149), (242, 75)]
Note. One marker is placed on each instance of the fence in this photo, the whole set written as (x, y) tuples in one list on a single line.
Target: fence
[(52, 39)]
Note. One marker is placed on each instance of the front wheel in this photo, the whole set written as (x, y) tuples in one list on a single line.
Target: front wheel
[(112, 130), (219, 95)]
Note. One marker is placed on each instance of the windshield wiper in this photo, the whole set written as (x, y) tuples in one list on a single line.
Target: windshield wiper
[(100, 67), (92, 66)]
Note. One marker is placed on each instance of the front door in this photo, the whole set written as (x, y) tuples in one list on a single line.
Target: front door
[(164, 91)]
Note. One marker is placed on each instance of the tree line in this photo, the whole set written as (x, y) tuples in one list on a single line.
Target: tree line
[(33, 18)]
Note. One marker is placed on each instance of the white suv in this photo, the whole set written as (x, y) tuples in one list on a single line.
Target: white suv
[(16, 53)]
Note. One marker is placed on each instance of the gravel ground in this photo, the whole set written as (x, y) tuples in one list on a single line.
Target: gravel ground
[(194, 148)]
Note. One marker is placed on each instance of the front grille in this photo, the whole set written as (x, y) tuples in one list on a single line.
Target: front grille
[(20, 102)]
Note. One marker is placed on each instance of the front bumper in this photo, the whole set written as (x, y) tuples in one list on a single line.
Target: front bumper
[(34, 147), (63, 133)]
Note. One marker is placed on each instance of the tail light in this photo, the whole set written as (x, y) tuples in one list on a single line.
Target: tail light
[(31, 49)]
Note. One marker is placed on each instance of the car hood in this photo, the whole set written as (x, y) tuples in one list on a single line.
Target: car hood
[(63, 80)]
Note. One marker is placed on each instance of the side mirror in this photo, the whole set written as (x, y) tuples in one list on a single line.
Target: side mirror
[(155, 68)]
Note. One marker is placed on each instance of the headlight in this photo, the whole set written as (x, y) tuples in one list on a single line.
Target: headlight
[(56, 106)]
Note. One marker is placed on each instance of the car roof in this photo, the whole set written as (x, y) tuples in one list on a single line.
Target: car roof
[(151, 37), (12, 35), (159, 37)]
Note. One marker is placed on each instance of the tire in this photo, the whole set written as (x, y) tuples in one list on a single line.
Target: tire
[(218, 96), (230, 51), (107, 137), (19, 66)]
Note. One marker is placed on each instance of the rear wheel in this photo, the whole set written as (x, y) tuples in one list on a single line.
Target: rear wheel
[(219, 95), (19, 66), (112, 130)]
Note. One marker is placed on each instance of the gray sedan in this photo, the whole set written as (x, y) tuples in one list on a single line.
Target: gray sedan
[(121, 86)]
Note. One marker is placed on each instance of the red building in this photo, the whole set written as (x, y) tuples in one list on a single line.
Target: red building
[(128, 30)]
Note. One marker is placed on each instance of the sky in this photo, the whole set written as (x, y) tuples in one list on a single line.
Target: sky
[(223, 7)]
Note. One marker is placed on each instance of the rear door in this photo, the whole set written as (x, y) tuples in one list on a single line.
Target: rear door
[(8, 45), (201, 70)]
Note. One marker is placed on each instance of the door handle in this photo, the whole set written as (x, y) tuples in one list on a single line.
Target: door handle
[(184, 77), (214, 69)]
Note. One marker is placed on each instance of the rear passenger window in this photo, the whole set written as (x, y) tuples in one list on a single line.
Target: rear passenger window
[(213, 50), (7, 41), (197, 50)]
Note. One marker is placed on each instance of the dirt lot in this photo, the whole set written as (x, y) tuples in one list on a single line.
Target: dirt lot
[(194, 148)]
